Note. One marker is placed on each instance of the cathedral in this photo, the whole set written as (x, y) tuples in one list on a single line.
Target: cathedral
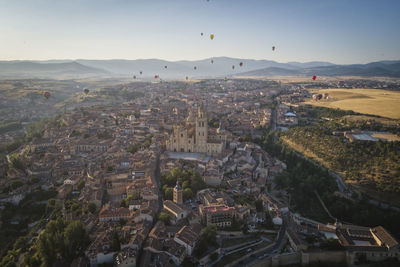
[(194, 136)]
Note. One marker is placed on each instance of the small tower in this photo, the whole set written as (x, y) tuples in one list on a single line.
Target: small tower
[(178, 194)]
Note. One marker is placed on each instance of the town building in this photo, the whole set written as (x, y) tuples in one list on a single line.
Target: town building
[(107, 213), (177, 212), (188, 236), (220, 215)]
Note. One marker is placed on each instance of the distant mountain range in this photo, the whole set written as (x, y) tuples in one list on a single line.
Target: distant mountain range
[(222, 66), (31, 69), (383, 68)]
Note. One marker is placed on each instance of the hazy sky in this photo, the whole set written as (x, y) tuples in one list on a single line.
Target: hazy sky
[(339, 31)]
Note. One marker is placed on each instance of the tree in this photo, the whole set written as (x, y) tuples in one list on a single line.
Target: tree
[(207, 238), (187, 194), (74, 236), (91, 207), (210, 234), (164, 217), (168, 193), (21, 242), (115, 244), (245, 229), (187, 262), (259, 205), (133, 148), (16, 184), (110, 168), (17, 163), (186, 184), (214, 256), (80, 185)]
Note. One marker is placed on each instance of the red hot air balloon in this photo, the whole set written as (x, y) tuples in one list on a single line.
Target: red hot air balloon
[(47, 95), (241, 64), (155, 76), (314, 77)]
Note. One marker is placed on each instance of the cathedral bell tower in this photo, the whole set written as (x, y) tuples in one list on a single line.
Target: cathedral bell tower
[(201, 129)]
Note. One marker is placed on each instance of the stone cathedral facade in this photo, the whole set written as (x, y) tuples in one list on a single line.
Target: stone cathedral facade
[(195, 136)]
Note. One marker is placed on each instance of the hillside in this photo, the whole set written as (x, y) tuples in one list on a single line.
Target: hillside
[(370, 166), (220, 67), (22, 69), (385, 69)]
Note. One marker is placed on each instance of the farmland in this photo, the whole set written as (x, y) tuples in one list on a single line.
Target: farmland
[(368, 101)]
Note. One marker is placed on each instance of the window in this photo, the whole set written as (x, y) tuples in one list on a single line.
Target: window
[(182, 150), (174, 140), (181, 135), (203, 133)]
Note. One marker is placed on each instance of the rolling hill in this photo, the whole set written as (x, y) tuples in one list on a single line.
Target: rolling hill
[(222, 66), (30, 69)]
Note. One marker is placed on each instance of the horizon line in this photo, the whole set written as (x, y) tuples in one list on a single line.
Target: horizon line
[(125, 59)]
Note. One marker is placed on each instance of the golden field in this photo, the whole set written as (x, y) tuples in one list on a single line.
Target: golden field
[(368, 101)]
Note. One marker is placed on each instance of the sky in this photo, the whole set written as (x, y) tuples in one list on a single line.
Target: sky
[(338, 31)]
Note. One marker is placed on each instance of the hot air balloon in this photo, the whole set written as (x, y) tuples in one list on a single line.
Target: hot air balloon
[(273, 48), (47, 95), (86, 91), (165, 67), (211, 36), (201, 34), (212, 61), (134, 76), (155, 76), (241, 64), (314, 77), (187, 78), (233, 67), (195, 67), (225, 78), (141, 72)]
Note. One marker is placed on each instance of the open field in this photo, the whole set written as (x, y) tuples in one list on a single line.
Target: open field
[(368, 101), (362, 118)]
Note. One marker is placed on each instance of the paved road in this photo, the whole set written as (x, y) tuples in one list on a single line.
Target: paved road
[(273, 119), (252, 258)]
